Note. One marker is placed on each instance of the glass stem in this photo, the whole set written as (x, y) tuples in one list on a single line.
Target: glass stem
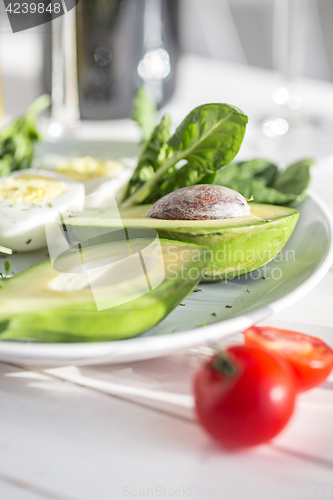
[(289, 29), (64, 70)]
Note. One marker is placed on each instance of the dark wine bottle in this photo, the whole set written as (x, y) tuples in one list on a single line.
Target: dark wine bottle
[(121, 45)]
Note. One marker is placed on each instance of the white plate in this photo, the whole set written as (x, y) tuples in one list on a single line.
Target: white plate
[(292, 274)]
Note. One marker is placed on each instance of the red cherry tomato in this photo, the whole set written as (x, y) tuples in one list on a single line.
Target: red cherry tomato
[(244, 396), (310, 358)]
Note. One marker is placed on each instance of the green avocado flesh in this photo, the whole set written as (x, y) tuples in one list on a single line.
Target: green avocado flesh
[(236, 245), (125, 288)]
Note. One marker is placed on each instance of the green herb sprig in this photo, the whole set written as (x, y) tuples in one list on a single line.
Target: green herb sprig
[(18, 138)]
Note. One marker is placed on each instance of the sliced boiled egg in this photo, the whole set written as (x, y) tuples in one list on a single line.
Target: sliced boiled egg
[(87, 168), (30, 200), (108, 178)]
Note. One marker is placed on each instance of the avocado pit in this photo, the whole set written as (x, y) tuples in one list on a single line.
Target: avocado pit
[(200, 202)]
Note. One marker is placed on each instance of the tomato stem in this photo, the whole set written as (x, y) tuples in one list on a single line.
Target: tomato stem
[(224, 363)]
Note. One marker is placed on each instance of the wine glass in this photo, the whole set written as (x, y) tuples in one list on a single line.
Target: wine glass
[(289, 132), (65, 110)]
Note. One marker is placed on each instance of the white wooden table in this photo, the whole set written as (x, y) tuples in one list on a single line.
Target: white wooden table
[(65, 435)]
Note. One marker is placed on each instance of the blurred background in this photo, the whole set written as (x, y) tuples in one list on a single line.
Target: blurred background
[(234, 31)]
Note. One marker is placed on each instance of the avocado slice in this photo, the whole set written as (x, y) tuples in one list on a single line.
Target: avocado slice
[(236, 245), (99, 292)]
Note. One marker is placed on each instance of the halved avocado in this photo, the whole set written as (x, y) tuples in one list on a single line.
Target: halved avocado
[(124, 288), (237, 245)]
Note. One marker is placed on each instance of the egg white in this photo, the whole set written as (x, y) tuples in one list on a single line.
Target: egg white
[(22, 226)]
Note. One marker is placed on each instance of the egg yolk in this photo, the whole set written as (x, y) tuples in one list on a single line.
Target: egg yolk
[(85, 168), (31, 189)]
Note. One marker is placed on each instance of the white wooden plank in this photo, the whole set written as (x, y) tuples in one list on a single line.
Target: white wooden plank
[(83, 445), (14, 488), (10, 492)]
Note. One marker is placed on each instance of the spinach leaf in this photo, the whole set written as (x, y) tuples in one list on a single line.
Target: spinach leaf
[(295, 179), (208, 138), (246, 170), (144, 112), (175, 179), (262, 193), (262, 180), (154, 153)]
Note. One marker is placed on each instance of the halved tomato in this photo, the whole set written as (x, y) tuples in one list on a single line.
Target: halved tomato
[(310, 358)]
